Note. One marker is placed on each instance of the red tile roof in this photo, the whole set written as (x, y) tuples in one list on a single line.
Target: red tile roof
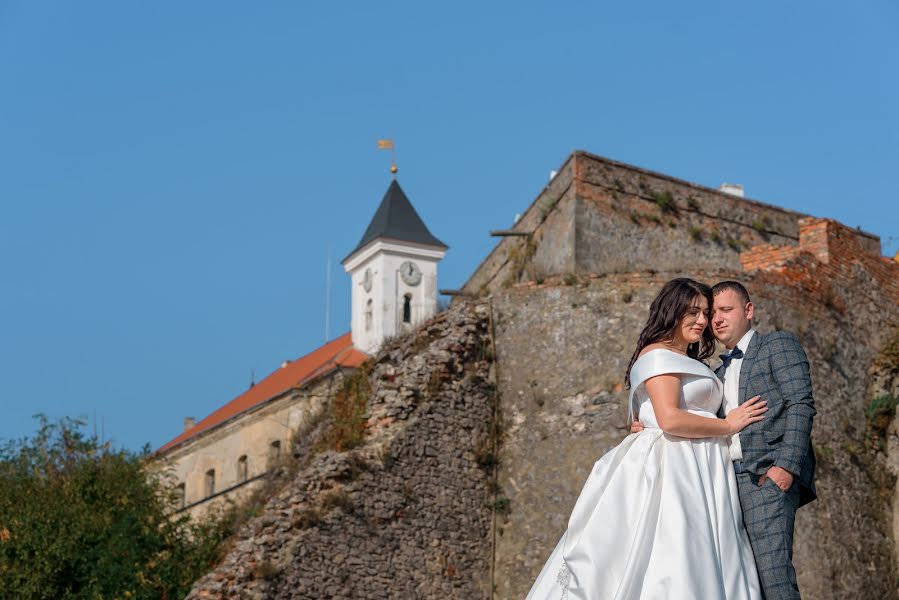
[(336, 353)]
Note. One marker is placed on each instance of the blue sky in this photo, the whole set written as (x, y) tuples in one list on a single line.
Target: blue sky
[(174, 175)]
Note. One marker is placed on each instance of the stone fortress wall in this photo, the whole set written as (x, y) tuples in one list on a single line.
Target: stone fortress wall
[(569, 300), (434, 512), (409, 513)]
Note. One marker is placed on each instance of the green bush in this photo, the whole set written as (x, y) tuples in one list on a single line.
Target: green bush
[(79, 519)]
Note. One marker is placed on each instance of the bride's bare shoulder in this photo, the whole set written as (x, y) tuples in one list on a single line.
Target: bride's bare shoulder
[(651, 347)]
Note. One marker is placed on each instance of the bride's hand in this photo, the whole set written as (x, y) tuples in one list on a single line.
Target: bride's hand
[(749, 412)]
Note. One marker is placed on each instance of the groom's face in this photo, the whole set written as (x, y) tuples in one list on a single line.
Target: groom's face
[(731, 317)]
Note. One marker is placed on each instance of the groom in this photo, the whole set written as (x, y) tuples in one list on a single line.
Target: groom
[(773, 458)]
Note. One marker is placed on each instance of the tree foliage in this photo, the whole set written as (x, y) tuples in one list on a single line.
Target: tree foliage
[(79, 519)]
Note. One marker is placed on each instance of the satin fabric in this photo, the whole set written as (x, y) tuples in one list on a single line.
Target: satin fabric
[(659, 516)]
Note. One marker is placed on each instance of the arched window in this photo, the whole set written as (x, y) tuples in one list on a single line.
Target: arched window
[(180, 496), (210, 482), (407, 308), (274, 453), (242, 471), (368, 313)]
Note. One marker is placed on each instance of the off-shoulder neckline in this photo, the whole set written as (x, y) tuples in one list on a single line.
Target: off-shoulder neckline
[(647, 353)]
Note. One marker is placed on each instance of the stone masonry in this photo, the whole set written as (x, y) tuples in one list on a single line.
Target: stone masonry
[(569, 301), (406, 514), (483, 423)]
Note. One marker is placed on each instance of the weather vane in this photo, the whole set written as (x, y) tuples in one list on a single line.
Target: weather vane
[(388, 145)]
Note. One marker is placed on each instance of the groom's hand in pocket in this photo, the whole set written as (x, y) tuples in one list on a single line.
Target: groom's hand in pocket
[(781, 478)]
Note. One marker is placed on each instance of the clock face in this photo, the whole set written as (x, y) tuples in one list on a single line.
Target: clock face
[(366, 280), (410, 273)]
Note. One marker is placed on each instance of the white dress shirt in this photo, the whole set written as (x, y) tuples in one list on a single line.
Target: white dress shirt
[(732, 392)]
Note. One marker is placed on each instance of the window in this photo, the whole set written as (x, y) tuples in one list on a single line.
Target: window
[(210, 482), (180, 496), (242, 472), (407, 308), (368, 311), (274, 453)]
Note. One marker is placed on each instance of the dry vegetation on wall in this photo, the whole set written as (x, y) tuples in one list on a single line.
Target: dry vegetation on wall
[(345, 415), (881, 410)]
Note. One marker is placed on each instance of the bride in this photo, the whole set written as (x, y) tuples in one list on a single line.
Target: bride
[(659, 517)]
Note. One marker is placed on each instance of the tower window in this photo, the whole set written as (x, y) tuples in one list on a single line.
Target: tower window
[(368, 311), (407, 308), (210, 482), (242, 471)]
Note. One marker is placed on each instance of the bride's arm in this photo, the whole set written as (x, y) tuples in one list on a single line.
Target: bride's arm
[(664, 393)]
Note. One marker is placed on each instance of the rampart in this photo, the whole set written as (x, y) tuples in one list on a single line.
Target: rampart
[(427, 509)]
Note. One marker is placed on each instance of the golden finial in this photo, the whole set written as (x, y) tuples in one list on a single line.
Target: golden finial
[(388, 145)]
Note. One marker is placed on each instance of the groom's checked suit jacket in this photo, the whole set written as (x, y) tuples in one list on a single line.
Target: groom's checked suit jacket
[(775, 367)]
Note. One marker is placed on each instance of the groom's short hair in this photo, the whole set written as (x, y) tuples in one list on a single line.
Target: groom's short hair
[(734, 286)]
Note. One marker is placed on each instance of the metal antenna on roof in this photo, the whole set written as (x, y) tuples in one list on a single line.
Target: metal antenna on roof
[(388, 145), (328, 297), (252, 377)]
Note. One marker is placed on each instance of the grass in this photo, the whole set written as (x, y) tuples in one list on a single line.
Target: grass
[(306, 518), (696, 233), (734, 244), (879, 415), (338, 498), (484, 455), (266, 570), (665, 202)]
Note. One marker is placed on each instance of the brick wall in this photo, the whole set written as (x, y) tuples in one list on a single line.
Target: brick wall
[(830, 259)]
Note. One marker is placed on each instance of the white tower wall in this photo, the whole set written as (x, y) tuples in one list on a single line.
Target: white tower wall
[(383, 259)]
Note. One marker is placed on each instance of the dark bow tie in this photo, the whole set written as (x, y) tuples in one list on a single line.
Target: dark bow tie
[(726, 358)]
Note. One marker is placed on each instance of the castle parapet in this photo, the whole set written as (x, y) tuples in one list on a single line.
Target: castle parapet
[(828, 253)]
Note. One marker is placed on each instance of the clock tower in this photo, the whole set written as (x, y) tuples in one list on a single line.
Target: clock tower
[(393, 271)]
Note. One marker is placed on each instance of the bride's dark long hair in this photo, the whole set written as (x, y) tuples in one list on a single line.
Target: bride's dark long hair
[(666, 312)]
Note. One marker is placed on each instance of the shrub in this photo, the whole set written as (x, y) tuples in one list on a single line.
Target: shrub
[(665, 202), (346, 427), (81, 520)]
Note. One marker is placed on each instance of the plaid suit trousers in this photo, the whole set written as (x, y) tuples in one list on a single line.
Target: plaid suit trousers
[(769, 514)]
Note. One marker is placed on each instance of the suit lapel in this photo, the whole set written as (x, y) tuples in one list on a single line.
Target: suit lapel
[(748, 360)]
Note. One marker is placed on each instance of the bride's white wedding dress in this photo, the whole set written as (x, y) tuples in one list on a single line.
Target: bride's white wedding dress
[(659, 517)]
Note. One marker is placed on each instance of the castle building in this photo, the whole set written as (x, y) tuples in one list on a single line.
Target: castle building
[(227, 454)]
